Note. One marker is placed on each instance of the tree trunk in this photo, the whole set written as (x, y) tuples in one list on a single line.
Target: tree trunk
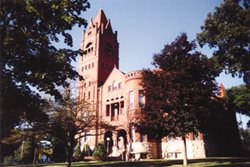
[(35, 156), (184, 151), (159, 148), (68, 156)]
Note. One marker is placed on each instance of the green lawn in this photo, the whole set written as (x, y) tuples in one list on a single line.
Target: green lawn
[(207, 162)]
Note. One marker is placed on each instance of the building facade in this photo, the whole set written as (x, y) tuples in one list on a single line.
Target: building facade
[(118, 97)]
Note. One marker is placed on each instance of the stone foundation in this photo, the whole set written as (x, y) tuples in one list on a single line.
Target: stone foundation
[(174, 149)]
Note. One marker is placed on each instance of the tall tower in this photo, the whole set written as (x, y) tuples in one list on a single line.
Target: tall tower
[(100, 55)]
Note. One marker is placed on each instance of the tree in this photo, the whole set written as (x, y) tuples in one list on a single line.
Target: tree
[(27, 137), (70, 119), (239, 99), (227, 30), (179, 92), (245, 137), (29, 30)]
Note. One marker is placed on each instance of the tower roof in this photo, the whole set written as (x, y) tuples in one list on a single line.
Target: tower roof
[(101, 18)]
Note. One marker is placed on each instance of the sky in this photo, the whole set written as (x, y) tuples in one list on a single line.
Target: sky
[(145, 26)]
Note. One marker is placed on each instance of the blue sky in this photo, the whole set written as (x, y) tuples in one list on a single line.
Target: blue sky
[(145, 26)]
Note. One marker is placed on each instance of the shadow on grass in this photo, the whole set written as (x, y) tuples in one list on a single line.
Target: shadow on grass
[(213, 162), (206, 162)]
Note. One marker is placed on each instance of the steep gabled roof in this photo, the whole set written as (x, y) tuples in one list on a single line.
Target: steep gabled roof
[(100, 18), (108, 26), (115, 71)]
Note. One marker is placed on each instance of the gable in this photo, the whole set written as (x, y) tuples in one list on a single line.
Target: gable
[(115, 75)]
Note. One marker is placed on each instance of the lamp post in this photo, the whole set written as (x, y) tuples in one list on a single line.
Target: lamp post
[(108, 140), (22, 149)]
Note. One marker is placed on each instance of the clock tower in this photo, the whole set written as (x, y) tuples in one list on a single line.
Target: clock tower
[(99, 56)]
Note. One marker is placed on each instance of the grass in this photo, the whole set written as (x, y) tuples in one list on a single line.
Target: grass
[(207, 162)]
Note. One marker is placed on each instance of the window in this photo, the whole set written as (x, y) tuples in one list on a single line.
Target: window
[(82, 69), (131, 100), (143, 138), (84, 96), (122, 106), (89, 83), (89, 66), (170, 138), (113, 111), (89, 48), (132, 131), (109, 88), (141, 98), (119, 85), (86, 67), (88, 45), (89, 95), (107, 110), (196, 136), (117, 108), (115, 85), (92, 64), (109, 50)]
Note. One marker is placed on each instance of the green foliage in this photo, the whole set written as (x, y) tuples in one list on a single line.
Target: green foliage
[(29, 30), (227, 30), (77, 152), (239, 96), (238, 100), (87, 150), (100, 152), (8, 160), (245, 138), (24, 152), (28, 133), (180, 91)]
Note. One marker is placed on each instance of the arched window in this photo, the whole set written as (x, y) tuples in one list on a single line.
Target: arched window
[(196, 136), (89, 48), (88, 45), (109, 49)]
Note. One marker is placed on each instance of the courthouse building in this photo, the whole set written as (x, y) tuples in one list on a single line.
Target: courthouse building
[(118, 96)]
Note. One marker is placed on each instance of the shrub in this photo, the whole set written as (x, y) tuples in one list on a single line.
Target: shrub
[(8, 160), (87, 150), (100, 152), (24, 152), (77, 153)]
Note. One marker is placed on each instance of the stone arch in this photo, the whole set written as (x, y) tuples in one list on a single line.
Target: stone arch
[(122, 138), (108, 141)]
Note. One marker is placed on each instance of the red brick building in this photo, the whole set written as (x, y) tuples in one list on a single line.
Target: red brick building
[(117, 96)]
